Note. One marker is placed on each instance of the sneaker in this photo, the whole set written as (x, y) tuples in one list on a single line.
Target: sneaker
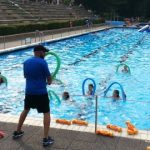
[(17, 134), (47, 141)]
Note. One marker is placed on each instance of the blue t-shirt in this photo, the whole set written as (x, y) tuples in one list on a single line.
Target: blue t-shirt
[(36, 72)]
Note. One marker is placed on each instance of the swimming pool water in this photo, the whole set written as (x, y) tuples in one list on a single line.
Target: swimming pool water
[(95, 55)]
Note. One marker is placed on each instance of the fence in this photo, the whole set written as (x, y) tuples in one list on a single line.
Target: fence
[(10, 41)]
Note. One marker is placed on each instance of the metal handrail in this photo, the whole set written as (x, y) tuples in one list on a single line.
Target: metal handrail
[(18, 39), (96, 112)]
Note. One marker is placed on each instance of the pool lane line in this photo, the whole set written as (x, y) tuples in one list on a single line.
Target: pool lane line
[(139, 42), (111, 74), (87, 55), (95, 37), (92, 53), (96, 51), (129, 52)]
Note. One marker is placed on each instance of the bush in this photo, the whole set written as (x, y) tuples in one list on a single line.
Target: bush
[(15, 29), (66, 2), (24, 28), (98, 21)]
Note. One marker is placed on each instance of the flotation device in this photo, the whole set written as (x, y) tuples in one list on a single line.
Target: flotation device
[(63, 121), (58, 63), (4, 79), (123, 65), (2, 134), (105, 133), (132, 132), (53, 96), (83, 86), (115, 128), (131, 128), (57, 67), (79, 122), (121, 87)]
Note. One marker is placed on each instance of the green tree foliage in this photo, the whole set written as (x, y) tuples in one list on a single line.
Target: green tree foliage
[(123, 8)]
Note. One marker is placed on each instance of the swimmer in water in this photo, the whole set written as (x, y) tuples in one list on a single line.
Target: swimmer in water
[(90, 89), (1, 79), (115, 95), (125, 69), (65, 96)]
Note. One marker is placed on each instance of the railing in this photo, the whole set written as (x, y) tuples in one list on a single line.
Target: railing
[(11, 41)]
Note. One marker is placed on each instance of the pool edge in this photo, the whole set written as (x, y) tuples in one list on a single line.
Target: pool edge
[(7, 118)]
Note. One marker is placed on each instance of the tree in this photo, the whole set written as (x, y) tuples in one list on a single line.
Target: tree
[(124, 8)]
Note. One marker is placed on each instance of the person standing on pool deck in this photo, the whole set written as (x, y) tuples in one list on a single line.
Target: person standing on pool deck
[(37, 75)]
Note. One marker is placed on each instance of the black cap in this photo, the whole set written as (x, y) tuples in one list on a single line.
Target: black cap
[(40, 48)]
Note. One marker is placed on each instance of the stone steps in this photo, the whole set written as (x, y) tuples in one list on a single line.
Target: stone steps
[(16, 10)]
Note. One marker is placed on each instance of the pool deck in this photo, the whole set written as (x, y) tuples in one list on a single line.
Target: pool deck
[(67, 137), (46, 38)]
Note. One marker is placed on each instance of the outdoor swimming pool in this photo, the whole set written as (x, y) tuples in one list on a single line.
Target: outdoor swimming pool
[(94, 55)]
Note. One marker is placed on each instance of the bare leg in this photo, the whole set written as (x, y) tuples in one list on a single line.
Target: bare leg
[(46, 122), (22, 119)]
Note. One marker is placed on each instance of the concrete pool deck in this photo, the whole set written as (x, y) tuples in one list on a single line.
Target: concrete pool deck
[(67, 137)]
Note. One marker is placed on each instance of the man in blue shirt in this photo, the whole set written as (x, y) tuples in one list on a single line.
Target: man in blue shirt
[(37, 76)]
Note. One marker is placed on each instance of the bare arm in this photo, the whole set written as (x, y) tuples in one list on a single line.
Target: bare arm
[(49, 80)]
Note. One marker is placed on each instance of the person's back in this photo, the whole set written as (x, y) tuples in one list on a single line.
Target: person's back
[(35, 74)]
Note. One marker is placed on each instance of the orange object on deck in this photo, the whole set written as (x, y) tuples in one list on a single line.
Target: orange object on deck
[(132, 132), (148, 148), (79, 122), (105, 133), (63, 121), (131, 128), (115, 128)]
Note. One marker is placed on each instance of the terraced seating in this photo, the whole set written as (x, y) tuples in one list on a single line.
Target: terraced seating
[(16, 10)]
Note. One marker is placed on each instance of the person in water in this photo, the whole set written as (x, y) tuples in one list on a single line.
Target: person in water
[(90, 89), (65, 96), (115, 95), (125, 69), (124, 58), (1, 79)]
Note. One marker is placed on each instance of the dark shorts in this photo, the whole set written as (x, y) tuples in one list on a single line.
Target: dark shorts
[(39, 102)]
